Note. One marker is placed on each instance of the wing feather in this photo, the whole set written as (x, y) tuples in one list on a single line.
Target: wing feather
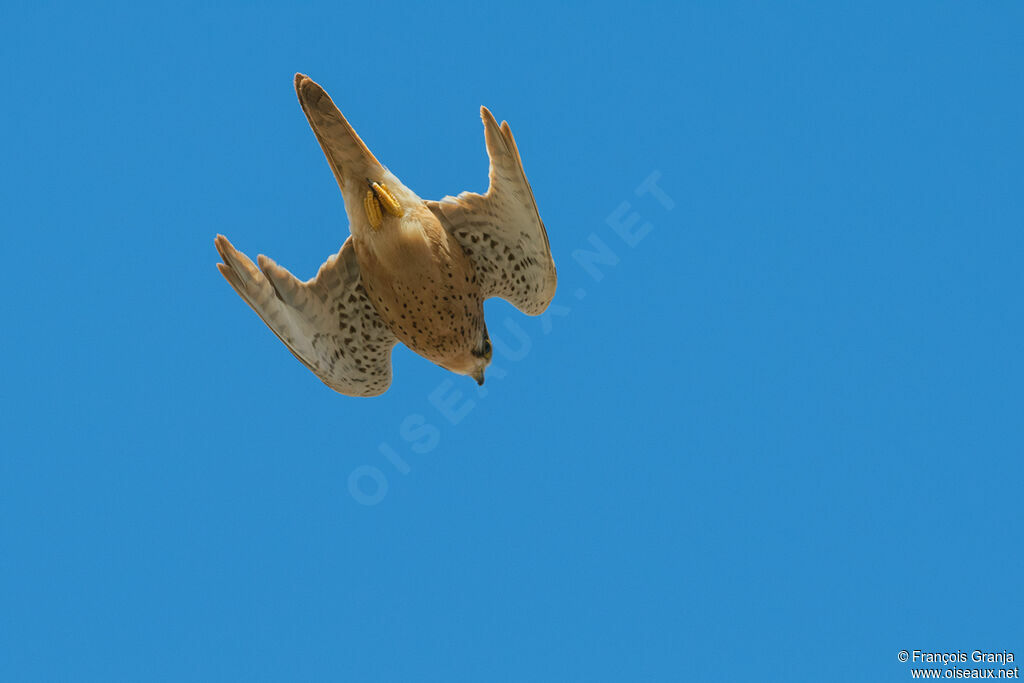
[(501, 231), (327, 322)]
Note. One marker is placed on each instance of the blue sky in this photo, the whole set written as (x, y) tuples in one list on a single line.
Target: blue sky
[(775, 435)]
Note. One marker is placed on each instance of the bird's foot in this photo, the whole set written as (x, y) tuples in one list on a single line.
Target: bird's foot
[(379, 199), (372, 207), (387, 200)]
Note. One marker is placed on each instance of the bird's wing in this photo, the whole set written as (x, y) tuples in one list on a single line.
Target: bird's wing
[(501, 231), (327, 322)]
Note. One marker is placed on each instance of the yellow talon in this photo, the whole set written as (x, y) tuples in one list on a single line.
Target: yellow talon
[(372, 207), (387, 200)]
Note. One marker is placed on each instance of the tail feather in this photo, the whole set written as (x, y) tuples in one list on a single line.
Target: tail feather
[(347, 154)]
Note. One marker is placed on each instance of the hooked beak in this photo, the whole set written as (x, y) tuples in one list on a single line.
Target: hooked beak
[(478, 376)]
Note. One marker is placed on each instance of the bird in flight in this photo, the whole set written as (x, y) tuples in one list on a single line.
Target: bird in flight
[(413, 271)]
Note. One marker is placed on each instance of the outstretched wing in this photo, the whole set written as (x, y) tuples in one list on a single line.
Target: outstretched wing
[(501, 231), (327, 322)]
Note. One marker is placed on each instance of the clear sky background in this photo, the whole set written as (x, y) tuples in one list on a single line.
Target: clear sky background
[(774, 435)]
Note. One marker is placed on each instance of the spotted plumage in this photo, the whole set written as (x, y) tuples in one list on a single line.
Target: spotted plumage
[(413, 271)]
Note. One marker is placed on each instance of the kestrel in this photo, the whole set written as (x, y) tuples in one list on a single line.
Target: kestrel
[(412, 271)]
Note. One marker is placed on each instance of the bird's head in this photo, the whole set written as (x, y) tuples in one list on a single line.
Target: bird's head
[(482, 354), (474, 361)]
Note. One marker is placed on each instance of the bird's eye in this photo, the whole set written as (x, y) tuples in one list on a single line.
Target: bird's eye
[(484, 351)]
